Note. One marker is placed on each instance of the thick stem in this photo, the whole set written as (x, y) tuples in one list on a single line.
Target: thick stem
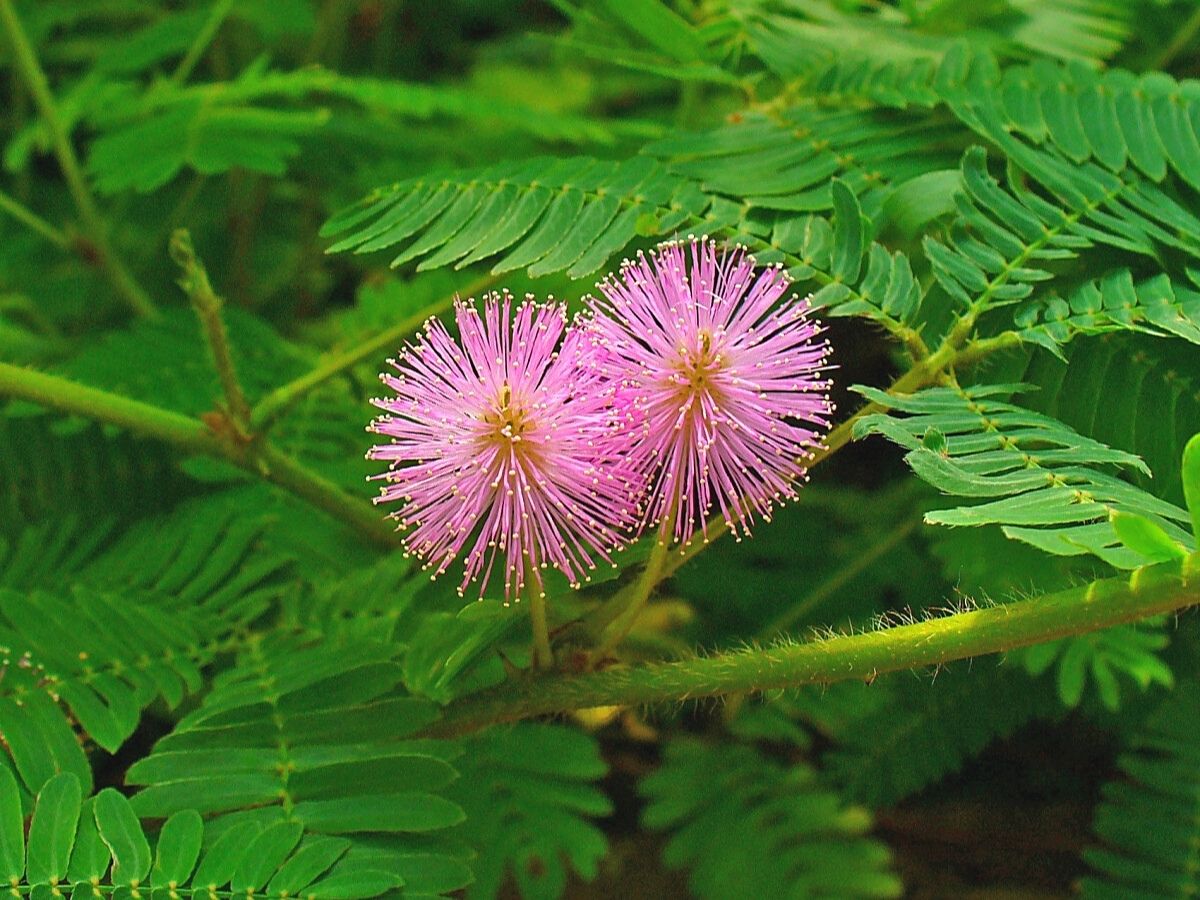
[(279, 401), (93, 223), (208, 305), (1153, 590), (190, 434), (280, 469), (142, 418)]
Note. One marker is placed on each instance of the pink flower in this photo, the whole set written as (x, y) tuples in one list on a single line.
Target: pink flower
[(728, 378), (504, 446)]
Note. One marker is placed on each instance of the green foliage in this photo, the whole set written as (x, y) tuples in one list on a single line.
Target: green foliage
[(742, 823), (529, 794), (560, 214), (1006, 190), (314, 735), (1147, 818), (1051, 490), (1129, 650), (920, 730), (97, 845)]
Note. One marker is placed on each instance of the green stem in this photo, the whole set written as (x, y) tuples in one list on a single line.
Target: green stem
[(207, 32), (93, 223), (651, 575), (33, 221), (190, 434), (280, 469), (1184, 36), (208, 305), (279, 401), (67, 396), (1153, 590)]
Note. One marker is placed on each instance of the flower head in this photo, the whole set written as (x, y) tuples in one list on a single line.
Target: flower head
[(504, 446), (729, 379)]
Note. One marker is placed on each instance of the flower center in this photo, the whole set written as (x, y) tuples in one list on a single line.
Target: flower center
[(697, 367), (509, 420)]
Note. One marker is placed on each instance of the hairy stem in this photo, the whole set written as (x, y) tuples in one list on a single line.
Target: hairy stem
[(208, 305), (279, 401), (1152, 590), (93, 223), (33, 221)]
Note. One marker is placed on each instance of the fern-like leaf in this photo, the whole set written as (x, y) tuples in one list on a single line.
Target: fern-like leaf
[(745, 825), (1147, 820), (546, 215), (1041, 481), (529, 793), (924, 730), (315, 735), (98, 846)]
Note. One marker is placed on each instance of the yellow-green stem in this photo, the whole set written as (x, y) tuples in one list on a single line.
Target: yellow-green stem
[(258, 458), (649, 578), (1154, 590), (33, 221), (207, 305), (203, 38)]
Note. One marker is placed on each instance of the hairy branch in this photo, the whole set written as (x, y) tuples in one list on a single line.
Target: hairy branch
[(1152, 590)]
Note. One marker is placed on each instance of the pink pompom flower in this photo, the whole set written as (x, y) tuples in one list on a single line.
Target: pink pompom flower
[(505, 447), (727, 377)]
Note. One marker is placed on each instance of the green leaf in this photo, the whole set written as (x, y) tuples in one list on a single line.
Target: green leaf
[(122, 833), (745, 825), (1044, 483), (660, 26), (90, 858), (264, 855), (314, 856), (1144, 823), (849, 235), (530, 793), (1191, 482), (1146, 537), (177, 849), (354, 885), (222, 859), (52, 831), (12, 828)]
